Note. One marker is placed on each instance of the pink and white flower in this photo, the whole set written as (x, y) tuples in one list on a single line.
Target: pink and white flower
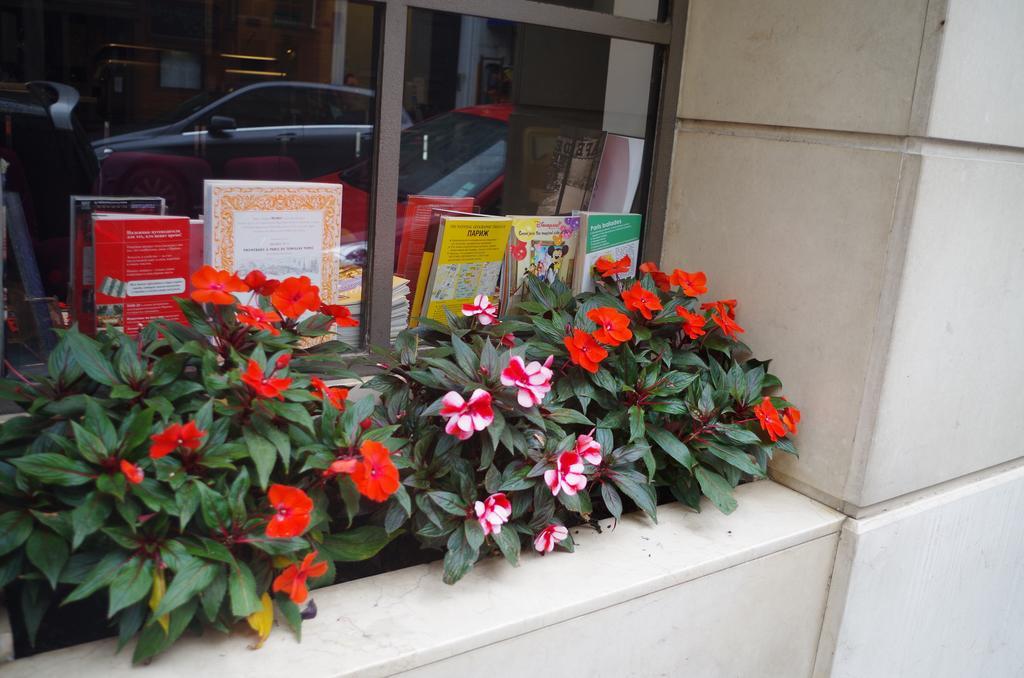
[(589, 449), (486, 312), (533, 380), (546, 539), (466, 417), (567, 476), (493, 512)]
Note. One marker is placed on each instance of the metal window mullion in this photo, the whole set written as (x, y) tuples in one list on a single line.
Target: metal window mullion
[(384, 193), (555, 16), (664, 136)]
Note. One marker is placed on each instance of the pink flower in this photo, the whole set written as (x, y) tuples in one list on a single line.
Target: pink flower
[(533, 380), (567, 476), (546, 539), (483, 308), (589, 449), (493, 512), (466, 417)]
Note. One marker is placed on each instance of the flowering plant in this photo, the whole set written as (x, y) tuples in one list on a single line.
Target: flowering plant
[(571, 407), (192, 473), (195, 474)]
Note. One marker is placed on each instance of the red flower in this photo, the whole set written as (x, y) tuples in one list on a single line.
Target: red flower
[(466, 416), (609, 268), (589, 449), (291, 507), (341, 314), (723, 306), (612, 326), (726, 323), (336, 396), (339, 466), (377, 476), (533, 381), (215, 287), (295, 296), (546, 539), (791, 417), (493, 512), (483, 309), (132, 472), (567, 476), (693, 323), (293, 578), (264, 386), (175, 436), (660, 278), (584, 350), (769, 418), (258, 318), (255, 280), (692, 284), (639, 298)]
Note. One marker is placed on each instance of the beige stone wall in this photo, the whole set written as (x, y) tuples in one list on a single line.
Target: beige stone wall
[(876, 262), (853, 173)]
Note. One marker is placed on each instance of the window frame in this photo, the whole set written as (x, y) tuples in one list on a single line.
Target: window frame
[(666, 36)]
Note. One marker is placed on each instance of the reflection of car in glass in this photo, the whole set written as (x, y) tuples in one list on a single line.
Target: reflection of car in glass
[(271, 130), (459, 153)]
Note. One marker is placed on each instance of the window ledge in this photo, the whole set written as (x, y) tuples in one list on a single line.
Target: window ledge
[(409, 618)]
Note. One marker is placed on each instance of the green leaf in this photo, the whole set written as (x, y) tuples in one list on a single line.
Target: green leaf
[(358, 544), (97, 422), (465, 357), (449, 502), (508, 541), (641, 493), (187, 500), (136, 429), (716, 488), (48, 552), (564, 415), (194, 576), (612, 500), (474, 533), (263, 454), (87, 354), (153, 640), (35, 599), (88, 517), (636, 423), (54, 469), (130, 584), (15, 528), (89, 446), (242, 590), (212, 596), (734, 457), (100, 575), (459, 557), (672, 446), (291, 613)]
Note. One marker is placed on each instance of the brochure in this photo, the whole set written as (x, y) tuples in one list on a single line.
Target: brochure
[(542, 246), (81, 292), (605, 235), (618, 174), (414, 226), (141, 263), (283, 228), (465, 262)]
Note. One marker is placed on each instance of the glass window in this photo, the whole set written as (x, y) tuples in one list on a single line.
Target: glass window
[(515, 119), (150, 99), (274, 105), (650, 10)]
